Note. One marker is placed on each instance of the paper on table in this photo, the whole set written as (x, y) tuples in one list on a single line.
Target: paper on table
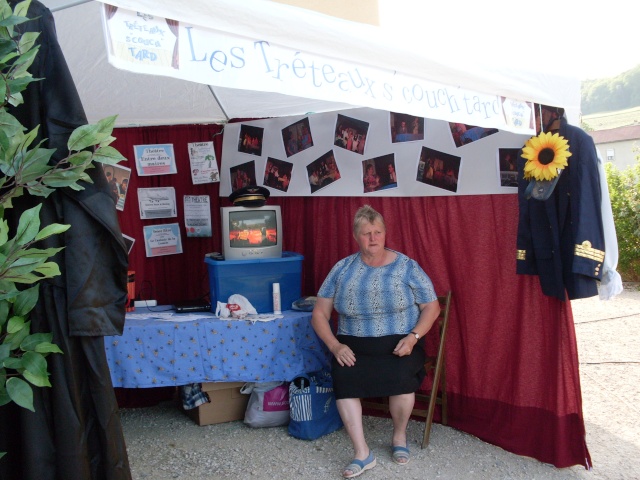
[(190, 317), (164, 316), (148, 315), (253, 318)]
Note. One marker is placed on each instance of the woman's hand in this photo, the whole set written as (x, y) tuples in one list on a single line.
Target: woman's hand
[(428, 314), (344, 355), (405, 346), (320, 322)]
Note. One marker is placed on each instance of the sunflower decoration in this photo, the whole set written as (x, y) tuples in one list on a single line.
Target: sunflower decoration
[(546, 155)]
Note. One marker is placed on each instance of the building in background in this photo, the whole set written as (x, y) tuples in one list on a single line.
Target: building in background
[(616, 135)]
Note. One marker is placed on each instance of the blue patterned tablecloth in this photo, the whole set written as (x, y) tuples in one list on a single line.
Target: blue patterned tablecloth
[(156, 353)]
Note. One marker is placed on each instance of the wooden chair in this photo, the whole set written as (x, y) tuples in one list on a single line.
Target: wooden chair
[(436, 363)]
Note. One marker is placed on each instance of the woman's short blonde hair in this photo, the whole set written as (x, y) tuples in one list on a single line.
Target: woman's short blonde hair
[(366, 213)]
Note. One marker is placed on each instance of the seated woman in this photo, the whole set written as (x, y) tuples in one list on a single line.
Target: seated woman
[(386, 303)]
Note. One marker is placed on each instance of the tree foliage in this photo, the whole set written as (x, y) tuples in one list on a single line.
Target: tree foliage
[(624, 190), (26, 168), (611, 94)]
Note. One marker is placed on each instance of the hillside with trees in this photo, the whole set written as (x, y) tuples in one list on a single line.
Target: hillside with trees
[(611, 94)]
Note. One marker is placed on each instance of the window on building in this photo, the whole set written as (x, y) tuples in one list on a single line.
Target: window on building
[(611, 155)]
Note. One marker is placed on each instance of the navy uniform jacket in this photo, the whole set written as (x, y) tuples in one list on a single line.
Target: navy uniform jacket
[(561, 239)]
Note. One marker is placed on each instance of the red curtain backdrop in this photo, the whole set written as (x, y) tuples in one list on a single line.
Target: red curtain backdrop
[(512, 361)]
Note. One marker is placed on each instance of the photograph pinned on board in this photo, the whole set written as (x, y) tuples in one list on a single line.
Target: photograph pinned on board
[(323, 171), (405, 128), (118, 180), (277, 174), (439, 169), (351, 134), (379, 173), (243, 175), (464, 134), (297, 137), (250, 140), (128, 241), (507, 163)]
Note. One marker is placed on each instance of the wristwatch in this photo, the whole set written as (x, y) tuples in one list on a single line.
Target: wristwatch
[(415, 335)]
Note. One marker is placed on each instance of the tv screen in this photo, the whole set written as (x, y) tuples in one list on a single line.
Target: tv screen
[(251, 233), (252, 229)]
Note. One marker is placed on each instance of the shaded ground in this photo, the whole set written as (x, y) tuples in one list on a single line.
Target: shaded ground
[(163, 443)]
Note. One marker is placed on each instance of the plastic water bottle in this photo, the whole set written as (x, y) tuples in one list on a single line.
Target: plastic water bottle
[(277, 308)]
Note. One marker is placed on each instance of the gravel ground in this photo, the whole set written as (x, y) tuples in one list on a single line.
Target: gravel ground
[(163, 443)]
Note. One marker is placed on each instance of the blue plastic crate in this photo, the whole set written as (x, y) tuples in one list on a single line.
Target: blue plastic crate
[(253, 279)]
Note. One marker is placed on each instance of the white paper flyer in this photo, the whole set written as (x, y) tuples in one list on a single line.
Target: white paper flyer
[(204, 167), (162, 240), (155, 159), (157, 202), (197, 215)]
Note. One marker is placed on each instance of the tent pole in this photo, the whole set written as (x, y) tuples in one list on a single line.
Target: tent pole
[(219, 103)]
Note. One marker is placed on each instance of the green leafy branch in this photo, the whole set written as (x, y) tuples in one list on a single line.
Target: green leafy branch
[(27, 167), (624, 190)]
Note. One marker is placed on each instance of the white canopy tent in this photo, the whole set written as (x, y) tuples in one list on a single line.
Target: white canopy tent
[(387, 67), (168, 96)]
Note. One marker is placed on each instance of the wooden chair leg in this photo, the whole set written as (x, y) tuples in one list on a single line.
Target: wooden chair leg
[(432, 406), (443, 394), (439, 386)]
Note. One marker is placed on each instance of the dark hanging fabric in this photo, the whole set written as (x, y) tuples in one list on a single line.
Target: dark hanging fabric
[(75, 431), (512, 361)]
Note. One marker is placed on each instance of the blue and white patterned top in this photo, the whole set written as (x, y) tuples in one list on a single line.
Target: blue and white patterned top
[(377, 301)]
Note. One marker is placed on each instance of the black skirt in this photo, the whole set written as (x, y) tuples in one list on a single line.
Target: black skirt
[(377, 371)]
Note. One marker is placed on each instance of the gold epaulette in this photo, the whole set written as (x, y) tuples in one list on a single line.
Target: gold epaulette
[(587, 251)]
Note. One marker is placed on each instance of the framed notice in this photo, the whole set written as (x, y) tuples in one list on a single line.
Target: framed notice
[(204, 167), (197, 215), (155, 159), (162, 240), (157, 202)]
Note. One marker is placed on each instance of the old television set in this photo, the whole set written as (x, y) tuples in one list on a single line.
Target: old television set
[(251, 233)]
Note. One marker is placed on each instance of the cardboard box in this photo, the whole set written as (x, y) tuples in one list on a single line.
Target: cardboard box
[(254, 279), (227, 404)]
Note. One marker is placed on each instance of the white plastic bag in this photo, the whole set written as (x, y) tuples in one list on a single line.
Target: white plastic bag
[(268, 404), (237, 306)]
